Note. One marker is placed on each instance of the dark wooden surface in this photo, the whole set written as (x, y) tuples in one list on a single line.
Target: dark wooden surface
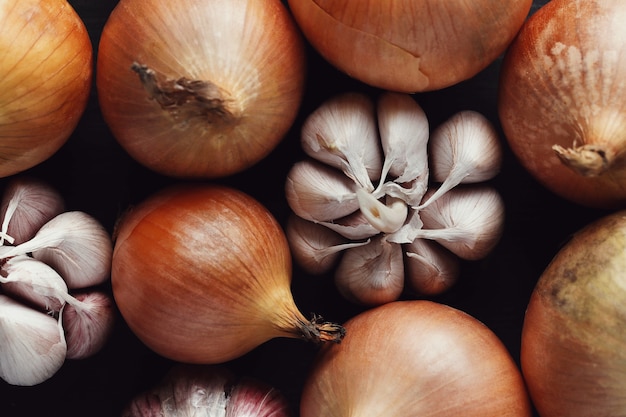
[(95, 175)]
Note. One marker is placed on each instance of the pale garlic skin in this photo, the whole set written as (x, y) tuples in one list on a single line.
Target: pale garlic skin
[(377, 180)]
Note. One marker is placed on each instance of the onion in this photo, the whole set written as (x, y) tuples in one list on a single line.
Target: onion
[(410, 46), (573, 341), (562, 100), (200, 88), (45, 80), (415, 358), (202, 273), (189, 391)]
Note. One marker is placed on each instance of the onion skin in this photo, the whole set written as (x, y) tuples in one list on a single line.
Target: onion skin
[(410, 46), (572, 353), (45, 80), (202, 274), (410, 358), (251, 51), (562, 84)]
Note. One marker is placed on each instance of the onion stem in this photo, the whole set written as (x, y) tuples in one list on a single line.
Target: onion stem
[(586, 160), (184, 98), (318, 331)]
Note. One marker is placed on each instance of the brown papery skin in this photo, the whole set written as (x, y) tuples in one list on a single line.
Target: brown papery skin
[(562, 83), (406, 45), (202, 273), (415, 358), (249, 50), (45, 80), (573, 340)]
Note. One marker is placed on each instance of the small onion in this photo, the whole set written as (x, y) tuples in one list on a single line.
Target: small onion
[(415, 358), (573, 350), (214, 85), (202, 274), (410, 46), (562, 100), (45, 80)]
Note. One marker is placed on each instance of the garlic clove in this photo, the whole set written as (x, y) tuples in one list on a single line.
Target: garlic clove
[(404, 135), (430, 268), (314, 247), (254, 398), (387, 217), (354, 226), (76, 245), (27, 204), (468, 221), (88, 323), (33, 346), (317, 192), (342, 133), (33, 282), (464, 149), (371, 274)]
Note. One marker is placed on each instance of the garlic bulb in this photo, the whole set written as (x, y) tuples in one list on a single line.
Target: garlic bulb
[(371, 182)]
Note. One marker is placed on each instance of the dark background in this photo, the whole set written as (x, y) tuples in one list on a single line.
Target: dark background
[(95, 175)]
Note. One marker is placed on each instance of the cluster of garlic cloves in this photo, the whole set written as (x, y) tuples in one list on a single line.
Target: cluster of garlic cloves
[(385, 201), (52, 265)]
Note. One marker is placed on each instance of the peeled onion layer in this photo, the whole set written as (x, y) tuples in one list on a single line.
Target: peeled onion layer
[(410, 46), (200, 89), (201, 274), (573, 351), (415, 358), (45, 80), (562, 100)]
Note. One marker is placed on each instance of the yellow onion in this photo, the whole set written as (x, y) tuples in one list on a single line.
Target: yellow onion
[(45, 80), (415, 358), (202, 273), (406, 45), (562, 100), (573, 340), (200, 88)]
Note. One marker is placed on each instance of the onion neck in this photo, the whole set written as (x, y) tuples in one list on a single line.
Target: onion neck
[(317, 330), (589, 160), (186, 99)]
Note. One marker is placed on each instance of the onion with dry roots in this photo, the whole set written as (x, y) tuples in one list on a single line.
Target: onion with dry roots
[(415, 358), (562, 100), (200, 89), (201, 274), (45, 80), (410, 46), (573, 349)]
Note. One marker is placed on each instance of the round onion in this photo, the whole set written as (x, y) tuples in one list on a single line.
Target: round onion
[(562, 100), (199, 88), (573, 340), (202, 274), (45, 80), (410, 358), (406, 45)]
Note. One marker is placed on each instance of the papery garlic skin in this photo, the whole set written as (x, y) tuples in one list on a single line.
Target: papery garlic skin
[(76, 245), (430, 268), (371, 274), (318, 192), (34, 282), (27, 204), (88, 323), (342, 133), (468, 221), (33, 346)]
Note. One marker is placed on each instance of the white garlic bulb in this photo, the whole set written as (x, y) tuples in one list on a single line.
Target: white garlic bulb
[(394, 212)]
